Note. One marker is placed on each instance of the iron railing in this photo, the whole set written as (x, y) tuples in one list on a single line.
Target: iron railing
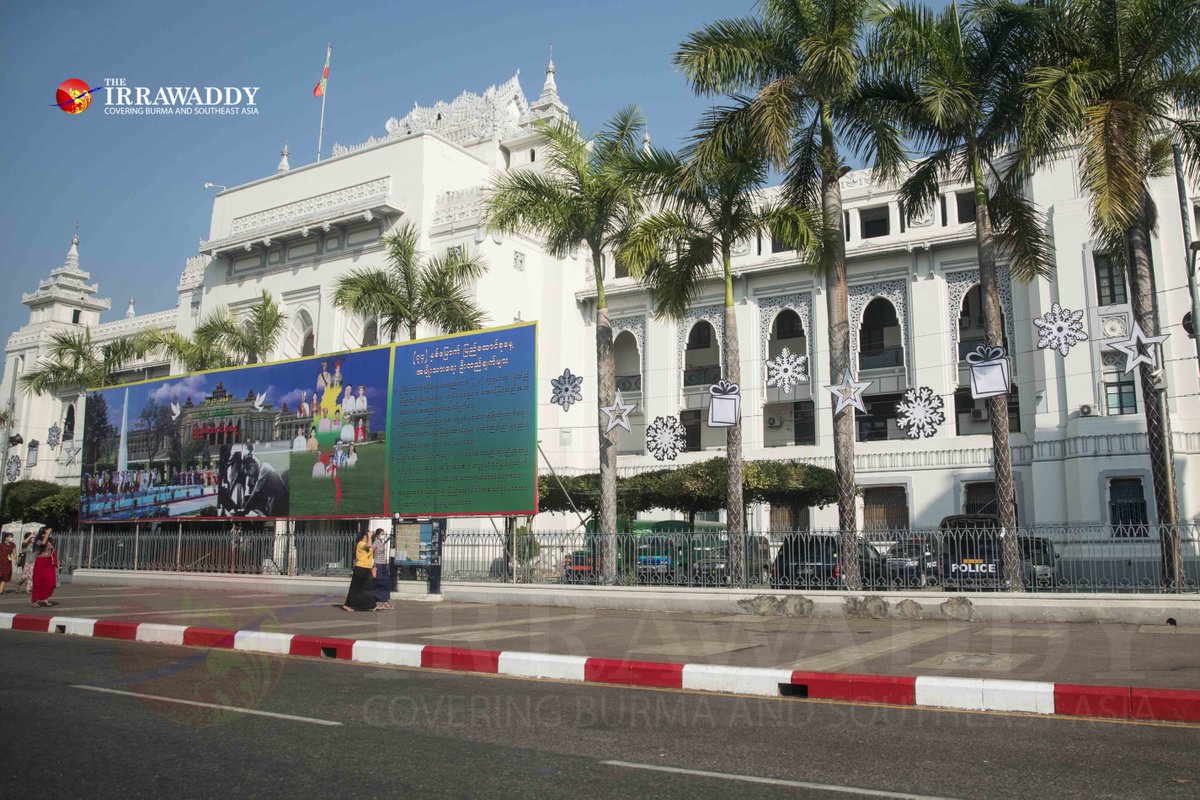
[(1054, 558)]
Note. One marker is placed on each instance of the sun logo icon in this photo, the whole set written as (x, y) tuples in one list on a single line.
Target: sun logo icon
[(73, 96)]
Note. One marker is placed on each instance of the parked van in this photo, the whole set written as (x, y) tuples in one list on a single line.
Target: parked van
[(971, 555)]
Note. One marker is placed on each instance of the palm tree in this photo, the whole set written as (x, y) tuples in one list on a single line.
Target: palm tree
[(5, 418), (704, 209), (77, 363), (794, 77), (954, 83), (582, 198), (203, 350), (415, 289), (1124, 83), (253, 337)]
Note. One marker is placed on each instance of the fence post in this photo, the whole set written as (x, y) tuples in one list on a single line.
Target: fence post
[(179, 549), (135, 546), (287, 544), (91, 536)]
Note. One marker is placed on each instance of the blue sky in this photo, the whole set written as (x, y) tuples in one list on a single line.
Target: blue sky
[(134, 183)]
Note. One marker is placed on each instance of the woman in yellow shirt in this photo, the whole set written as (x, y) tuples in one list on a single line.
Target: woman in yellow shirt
[(361, 596)]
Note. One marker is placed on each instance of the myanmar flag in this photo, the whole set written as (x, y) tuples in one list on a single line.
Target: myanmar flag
[(319, 89)]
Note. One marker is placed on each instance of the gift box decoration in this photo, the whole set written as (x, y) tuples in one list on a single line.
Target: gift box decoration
[(989, 371), (724, 405)]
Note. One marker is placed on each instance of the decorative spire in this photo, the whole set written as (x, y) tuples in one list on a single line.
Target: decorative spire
[(645, 141), (73, 251), (549, 87), (283, 161), (129, 312)]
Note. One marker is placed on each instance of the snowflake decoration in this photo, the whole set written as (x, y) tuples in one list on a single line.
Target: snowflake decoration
[(566, 389), (665, 438), (786, 370), (54, 436), (1060, 329), (13, 470), (920, 413)]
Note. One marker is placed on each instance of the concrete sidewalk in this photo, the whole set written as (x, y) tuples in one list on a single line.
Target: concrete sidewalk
[(1132, 655)]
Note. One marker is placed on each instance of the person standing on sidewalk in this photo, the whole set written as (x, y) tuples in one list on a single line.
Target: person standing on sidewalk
[(361, 597), (382, 573), (7, 559), (26, 561), (45, 570)]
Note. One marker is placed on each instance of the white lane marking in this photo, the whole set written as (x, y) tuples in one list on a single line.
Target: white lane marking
[(159, 699), (90, 596), (201, 611), (854, 654), (471, 626), (819, 787)]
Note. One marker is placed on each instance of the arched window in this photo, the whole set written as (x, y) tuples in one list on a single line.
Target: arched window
[(879, 338), (370, 334), (701, 361), (628, 363), (301, 337), (69, 424), (532, 155), (309, 347), (972, 331)]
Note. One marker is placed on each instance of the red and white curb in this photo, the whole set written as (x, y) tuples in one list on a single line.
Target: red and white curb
[(975, 694)]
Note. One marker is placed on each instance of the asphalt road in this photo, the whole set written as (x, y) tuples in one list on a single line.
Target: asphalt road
[(323, 729)]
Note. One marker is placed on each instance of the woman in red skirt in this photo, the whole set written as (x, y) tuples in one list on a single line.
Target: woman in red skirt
[(45, 570), (7, 550)]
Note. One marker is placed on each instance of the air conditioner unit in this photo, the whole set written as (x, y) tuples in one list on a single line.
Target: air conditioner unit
[(979, 415), (774, 422), (1087, 410)]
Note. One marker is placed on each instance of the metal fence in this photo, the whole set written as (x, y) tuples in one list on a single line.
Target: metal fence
[(1060, 558)]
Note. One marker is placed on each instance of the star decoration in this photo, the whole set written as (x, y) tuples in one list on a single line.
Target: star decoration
[(1133, 348), (848, 392), (71, 451), (1060, 329), (566, 389), (617, 413)]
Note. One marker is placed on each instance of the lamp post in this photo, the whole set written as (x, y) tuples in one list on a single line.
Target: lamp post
[(1190, 247)]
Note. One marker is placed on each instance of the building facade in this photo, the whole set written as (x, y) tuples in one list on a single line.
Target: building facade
[(1079, 443)]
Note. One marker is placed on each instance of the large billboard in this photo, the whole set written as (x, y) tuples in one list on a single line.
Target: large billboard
[(436, 427)]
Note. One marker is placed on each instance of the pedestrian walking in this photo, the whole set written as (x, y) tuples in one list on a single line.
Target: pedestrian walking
[(25, 562), (8, 558), (361, 597), (45, 570), (383, 575)]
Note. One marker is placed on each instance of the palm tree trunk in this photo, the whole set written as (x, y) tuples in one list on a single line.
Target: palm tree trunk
[(837, 308), (605, 390), (735, 522), (1158, 419), (997, 406)]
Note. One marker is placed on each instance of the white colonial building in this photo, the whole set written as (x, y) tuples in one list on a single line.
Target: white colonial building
[(1079, 444)]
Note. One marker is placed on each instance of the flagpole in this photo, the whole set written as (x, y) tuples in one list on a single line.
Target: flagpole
[(324, 93)]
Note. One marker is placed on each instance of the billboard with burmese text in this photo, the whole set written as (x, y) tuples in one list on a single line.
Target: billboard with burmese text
[(435, 427)]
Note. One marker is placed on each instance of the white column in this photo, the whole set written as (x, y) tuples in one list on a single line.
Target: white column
[(893, 219), (854, 225), (951, 208)]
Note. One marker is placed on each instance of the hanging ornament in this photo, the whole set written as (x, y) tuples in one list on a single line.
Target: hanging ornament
[(725, 404), (54, 436), (920, 413), (566, 389), (13, 470), (848, 392), (1136, 350), (665, 438), (786, 370), (989, 371), (1060, 329), (617, 413)]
